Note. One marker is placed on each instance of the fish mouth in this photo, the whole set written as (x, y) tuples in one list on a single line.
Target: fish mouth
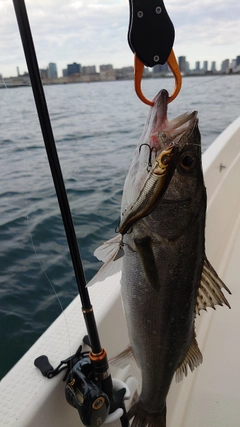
[(157, 117), (171, 132), (160, 132), (177, 127)]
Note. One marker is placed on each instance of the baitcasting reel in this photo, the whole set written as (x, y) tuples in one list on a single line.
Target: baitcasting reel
[(83, 394), (82, 389)]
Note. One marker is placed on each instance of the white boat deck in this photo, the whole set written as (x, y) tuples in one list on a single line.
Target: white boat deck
[(210, 396)]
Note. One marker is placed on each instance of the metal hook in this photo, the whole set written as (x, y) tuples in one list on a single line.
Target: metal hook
[(150, 155), (138, 72), (146, 145), (155, 150)]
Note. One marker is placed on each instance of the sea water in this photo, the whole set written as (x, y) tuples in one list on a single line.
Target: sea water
[(96, 127)]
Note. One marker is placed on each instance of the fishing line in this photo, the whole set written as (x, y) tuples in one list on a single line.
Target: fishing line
[(208, 80), (204, 81), (27, 206), (98, 361), (51, 284)]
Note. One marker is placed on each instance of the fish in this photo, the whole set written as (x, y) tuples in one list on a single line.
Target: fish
[(166, 277)]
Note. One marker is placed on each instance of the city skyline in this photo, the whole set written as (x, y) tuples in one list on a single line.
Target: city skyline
[(52, 71), (95, 32), (226, 65)]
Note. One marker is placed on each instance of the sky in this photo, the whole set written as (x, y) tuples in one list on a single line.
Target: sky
[(94, 32)]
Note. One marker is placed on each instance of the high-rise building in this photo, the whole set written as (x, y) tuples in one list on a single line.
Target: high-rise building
[(197, 66), (205, 65), (52, 71), (225, 66), (213, 66), (161, 68), (237, 61), (73, 69), (182, 63)]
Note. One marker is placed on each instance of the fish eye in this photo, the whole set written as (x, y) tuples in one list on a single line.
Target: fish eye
[(188, 161)]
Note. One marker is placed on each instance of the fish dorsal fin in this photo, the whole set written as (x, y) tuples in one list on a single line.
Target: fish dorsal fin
[(210, 289), (192, 359), (110, 253)]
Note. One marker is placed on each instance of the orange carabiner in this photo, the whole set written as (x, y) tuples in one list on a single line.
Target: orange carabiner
[(138, 72), (173, 65)]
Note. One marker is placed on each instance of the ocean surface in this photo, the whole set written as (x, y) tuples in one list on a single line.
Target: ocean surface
[(96, 128)]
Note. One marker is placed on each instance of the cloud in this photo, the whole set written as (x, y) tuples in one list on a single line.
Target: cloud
[(92, 32)]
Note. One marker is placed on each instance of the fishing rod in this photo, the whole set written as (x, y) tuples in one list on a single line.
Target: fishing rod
[(90, 376)]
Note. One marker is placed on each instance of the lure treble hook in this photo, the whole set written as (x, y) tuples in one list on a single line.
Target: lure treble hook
[(151, 150)]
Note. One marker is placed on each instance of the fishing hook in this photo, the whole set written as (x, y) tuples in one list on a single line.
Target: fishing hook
[(117, 228), (152, 149)]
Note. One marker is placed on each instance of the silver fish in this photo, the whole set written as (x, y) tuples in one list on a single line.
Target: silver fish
[(166, 278), (152, 189)]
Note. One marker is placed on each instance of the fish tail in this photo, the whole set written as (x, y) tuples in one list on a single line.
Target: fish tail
[(143, 418)]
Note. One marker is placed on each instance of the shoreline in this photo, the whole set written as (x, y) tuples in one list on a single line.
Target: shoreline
[(60, 80)]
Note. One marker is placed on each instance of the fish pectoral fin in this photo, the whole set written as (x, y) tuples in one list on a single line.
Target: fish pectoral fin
[(123, 359), (105, 251), (147, 259), (111, 253), (210, 289), (192, 359)]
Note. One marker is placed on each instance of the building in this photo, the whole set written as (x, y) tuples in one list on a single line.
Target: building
[(52, 71), (205, 66), (89, 69), (182, 63), (213, 67), (43, 73), (233, 64), (237, 61), (161, 68), (124, 73), (106, 67), (107, 72), (73, 69), (225, 66), (197, 66)]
